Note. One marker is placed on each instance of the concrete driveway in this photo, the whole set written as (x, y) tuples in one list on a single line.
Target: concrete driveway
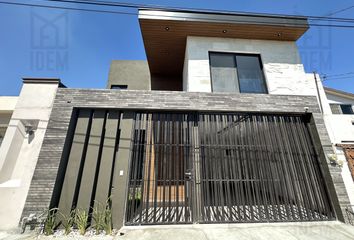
[(259, 231)]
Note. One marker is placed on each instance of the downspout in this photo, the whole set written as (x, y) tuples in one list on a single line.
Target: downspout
[(318, 92)]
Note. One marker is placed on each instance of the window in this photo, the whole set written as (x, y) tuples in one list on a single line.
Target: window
[(119, 87), (341, 109), (346, 109), (237, 73)]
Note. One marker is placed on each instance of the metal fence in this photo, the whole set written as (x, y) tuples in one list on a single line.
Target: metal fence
[(208, 168)]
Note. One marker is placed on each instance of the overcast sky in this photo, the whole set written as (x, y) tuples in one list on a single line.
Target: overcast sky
[(87, 42)]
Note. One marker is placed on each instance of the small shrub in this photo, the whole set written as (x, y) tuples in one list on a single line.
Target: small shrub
[(108, 220), (81, 218), (102, 217), (67, 220), (50, 222), (98, 217)]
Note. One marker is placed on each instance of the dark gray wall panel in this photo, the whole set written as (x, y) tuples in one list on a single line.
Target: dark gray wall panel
[(121, 170), (72, 170), (134, 73), (90, 162), (104, 175)]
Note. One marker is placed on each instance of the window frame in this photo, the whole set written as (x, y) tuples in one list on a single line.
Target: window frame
[(235, 54)]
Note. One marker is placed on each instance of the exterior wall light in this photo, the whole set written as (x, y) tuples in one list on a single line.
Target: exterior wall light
[(224, 31), (30, 125), (334, 160), (29, 129)]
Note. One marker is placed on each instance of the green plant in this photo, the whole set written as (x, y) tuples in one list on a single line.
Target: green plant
[(67, 220), (50, 221), (108, 220), (135, 196), (81, 218), (98, 217), (102, 217), (134, 199)]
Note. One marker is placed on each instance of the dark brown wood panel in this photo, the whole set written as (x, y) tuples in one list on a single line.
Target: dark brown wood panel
[(165, 48)]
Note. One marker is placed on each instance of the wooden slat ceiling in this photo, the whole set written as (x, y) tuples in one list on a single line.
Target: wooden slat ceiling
[(165, 39)]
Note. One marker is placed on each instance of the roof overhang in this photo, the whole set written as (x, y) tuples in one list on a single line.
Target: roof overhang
[(339, 93), (164, 32)]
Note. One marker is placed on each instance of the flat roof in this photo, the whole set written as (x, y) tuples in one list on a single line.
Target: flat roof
[(165, 32), (339, 93)]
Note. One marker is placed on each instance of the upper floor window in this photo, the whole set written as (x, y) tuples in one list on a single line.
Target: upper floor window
[(231, 72), (341, 109), (119, 87)]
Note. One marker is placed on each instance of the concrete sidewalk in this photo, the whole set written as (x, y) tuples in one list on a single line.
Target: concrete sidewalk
[(274, 231), (261, 231)]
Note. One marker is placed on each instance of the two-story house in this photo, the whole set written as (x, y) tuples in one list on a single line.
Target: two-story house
[(219, 125)]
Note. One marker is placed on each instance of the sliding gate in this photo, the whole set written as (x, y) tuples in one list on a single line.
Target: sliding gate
[(208, 168)]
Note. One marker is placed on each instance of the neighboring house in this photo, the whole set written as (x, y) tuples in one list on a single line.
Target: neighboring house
[(339, 119), (220, 125), (7, 106)]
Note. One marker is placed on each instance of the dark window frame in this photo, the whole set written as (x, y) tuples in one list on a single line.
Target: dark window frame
[(119, 87), (235, 54)]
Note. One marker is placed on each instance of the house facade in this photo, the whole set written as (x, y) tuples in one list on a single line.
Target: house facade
[(339, 118), (221, 124)]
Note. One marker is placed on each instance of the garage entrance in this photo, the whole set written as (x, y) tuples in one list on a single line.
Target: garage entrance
[(220, 168)]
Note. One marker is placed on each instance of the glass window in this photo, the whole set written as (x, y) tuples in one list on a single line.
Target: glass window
[(341, 108), (346, 108), (119, 87), (223, 72), (250, 74), (237, 73)]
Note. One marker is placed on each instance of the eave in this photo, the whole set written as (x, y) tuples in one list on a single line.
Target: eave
[(165, 32), (339, 93)]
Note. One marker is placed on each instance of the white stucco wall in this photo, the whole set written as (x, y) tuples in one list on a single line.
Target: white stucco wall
[(7, 103), (339, 126), (282, 66), (7, 106), (19, 151)]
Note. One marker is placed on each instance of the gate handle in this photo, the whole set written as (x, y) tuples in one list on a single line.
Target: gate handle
[(188, 175)]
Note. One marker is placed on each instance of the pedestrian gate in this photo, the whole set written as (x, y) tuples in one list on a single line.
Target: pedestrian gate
[(218, 168)]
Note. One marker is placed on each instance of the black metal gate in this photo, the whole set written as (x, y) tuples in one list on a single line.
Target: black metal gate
[(207, 168), (159, 186)]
